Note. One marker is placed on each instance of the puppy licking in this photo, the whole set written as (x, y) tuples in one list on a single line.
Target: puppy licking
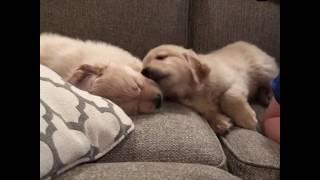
[(101, 69), (217, 85)]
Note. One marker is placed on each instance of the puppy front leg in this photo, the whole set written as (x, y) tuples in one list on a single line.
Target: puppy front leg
[(234, 103)]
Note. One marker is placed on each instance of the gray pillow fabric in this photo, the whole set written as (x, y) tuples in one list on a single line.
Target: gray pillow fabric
[(75, 126)]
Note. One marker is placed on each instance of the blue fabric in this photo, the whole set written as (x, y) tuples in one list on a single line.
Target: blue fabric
[(276, 88)]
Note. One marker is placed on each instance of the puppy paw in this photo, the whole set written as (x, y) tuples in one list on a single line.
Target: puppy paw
[(222, 127), (249, 121), (252, 124)]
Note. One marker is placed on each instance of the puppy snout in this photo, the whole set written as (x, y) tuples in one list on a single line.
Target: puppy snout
[(158, 101), (153, 74)]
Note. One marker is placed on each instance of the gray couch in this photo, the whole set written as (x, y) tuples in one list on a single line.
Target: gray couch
[(175, 143)]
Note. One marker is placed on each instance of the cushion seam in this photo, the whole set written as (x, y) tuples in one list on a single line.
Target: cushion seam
[(243, 161)]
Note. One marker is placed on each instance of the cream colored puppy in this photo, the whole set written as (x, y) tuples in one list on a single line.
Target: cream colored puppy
[(101, 69), (217, 85)]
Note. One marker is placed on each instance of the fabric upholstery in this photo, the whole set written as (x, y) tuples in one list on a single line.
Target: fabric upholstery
[(136, 26), (216, 23), (252, 156), (175, 134), (146, 171)]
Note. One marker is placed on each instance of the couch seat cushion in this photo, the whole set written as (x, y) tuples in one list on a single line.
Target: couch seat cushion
[(175, 134), (146, 171), (251, 155)]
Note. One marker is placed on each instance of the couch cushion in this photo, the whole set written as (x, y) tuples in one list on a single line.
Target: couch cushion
[(175, 134), (146, 171), (215, 23), (75, 126), (136, 26), (251, 155)]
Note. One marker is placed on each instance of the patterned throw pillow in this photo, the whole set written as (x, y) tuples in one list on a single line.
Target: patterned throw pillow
[(75, 126)]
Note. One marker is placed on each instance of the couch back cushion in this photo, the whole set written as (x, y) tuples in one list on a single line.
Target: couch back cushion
[(215, 23), (136, 26)]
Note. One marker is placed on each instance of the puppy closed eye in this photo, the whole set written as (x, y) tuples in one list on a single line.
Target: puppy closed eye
[(161, 57)]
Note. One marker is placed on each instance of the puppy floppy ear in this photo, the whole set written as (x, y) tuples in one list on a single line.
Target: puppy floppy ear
[(82, 76), (199, 71)]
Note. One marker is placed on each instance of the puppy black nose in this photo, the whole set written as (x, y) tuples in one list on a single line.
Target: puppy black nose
[(146, 72), (153, 74), (158, 101)]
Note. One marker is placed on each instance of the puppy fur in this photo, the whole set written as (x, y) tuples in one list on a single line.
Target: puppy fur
[(101, 69), (217, 85)]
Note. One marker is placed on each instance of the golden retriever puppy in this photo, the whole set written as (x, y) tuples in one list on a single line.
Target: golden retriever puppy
[(216, 85), (101, 69)]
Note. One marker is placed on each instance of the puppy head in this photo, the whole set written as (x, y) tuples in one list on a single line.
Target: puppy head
[(177, 70), (121, 84)]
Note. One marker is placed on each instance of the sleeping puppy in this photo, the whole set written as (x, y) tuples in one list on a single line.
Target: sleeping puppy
[(101, 69), (216, 85)]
